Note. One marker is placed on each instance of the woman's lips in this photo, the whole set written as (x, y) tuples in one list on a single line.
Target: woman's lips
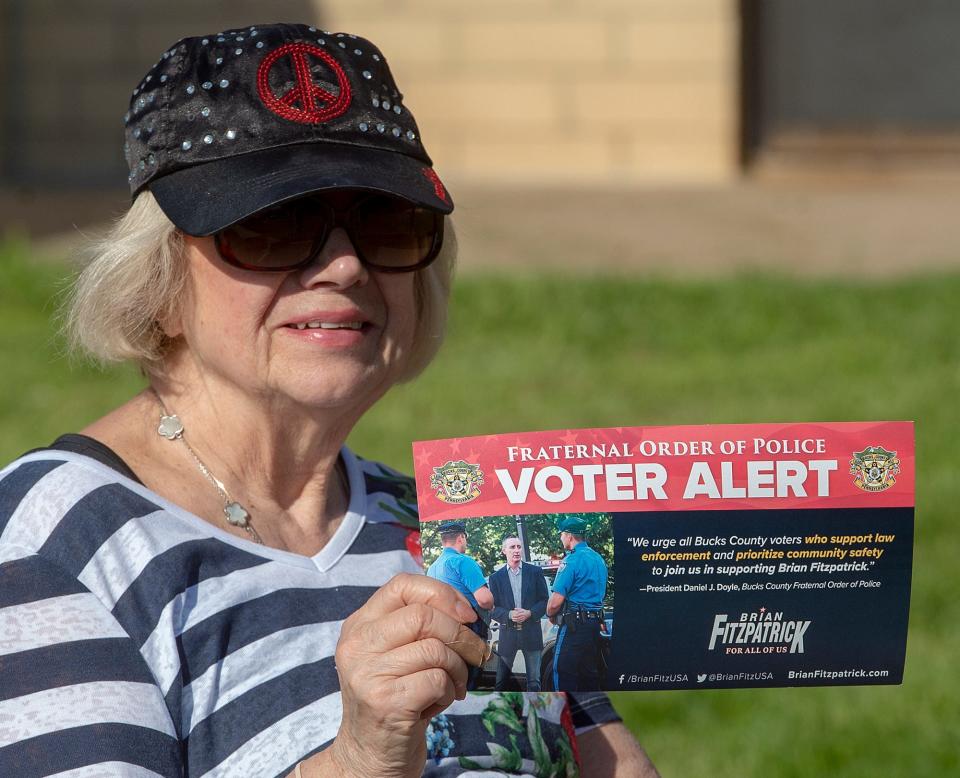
[(341, 327), (337, 337), (347, 318), (327, 325)]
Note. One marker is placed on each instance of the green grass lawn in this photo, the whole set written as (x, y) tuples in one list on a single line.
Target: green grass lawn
[(542, 352)]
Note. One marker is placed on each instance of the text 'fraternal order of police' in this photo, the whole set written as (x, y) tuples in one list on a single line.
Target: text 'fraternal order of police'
[(646, 480)]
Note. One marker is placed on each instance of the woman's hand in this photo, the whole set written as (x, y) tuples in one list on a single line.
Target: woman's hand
[(402, 658)]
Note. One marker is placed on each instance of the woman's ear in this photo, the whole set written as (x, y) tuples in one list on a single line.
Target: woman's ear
[(171, 323), (170, 320)]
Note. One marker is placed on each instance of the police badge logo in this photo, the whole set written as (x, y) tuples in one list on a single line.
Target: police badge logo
[(457, 482), (874, 468)]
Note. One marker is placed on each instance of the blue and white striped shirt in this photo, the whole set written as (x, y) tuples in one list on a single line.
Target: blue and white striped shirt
[(137, 639)]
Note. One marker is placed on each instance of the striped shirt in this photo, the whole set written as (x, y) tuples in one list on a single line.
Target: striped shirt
[(137, 639)]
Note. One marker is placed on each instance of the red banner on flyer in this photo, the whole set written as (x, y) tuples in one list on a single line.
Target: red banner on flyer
[(680, 468)]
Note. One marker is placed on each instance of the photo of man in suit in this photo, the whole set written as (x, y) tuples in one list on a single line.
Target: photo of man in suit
[(519, 602)]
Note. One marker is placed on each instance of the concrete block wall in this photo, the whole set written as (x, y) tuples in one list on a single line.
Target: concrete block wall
[(67, 70), (538, 91), (564, 91)]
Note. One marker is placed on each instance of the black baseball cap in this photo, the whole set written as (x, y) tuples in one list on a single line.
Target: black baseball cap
[(227, 124), (452, 528)]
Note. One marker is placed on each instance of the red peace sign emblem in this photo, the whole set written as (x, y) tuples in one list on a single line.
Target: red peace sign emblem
[(305, 102)]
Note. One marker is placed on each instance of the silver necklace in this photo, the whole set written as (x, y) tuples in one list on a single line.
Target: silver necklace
[(236, 515)]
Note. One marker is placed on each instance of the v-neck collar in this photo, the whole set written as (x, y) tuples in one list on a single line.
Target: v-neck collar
[(325, 559)]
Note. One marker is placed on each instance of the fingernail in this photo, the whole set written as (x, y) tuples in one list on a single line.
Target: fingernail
[(465, 612)]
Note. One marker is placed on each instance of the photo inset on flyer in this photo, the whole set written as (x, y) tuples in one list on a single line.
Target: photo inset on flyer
[(524, 561), (719, 556)]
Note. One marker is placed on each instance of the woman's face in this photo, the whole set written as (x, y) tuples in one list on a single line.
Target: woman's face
[(331, 335)]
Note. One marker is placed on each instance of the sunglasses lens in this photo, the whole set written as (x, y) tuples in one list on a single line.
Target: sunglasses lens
[(389, 234), (275, 238), (392, 234)]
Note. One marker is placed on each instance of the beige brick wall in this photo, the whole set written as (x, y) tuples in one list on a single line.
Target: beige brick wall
[(599, 91), (504, 90)]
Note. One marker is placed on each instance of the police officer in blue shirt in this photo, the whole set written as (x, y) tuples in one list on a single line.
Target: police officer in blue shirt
[(578, 592), (463, 573)]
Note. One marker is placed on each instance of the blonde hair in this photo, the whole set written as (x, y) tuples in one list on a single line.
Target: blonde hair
[(135, 278)]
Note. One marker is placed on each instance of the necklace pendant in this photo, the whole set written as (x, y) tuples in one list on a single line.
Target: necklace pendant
[(170, 427), (236, 514)]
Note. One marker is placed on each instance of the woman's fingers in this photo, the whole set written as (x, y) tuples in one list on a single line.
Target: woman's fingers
[(470, 646), (423, 691), (406, 589), (424, 655), (417, 622), (401, 660)]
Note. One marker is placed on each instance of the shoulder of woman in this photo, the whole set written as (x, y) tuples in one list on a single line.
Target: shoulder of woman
[(391, 495), (44, 493)]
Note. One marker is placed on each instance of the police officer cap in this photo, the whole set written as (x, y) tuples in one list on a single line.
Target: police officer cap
[(452, 528), (573, 524)]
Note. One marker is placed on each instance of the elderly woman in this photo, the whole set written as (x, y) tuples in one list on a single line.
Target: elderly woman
[(206, 581)]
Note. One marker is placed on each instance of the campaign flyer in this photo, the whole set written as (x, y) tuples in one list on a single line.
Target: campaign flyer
[(685, 557)]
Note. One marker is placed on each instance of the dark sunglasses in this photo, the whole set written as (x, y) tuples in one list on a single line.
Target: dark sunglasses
[(390, 235)]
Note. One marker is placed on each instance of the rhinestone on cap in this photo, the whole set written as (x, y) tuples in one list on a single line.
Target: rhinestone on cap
[(219, 60), (208, 139), (259, 44), (381, 128), (411, 135), (224, 84), (364, 126), (396, 132), (186, 145), (191, 89), (367, 75), (205, 110), (231, 134), (207, 84)]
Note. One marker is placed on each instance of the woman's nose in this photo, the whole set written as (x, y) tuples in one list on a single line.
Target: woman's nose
[(337, 264)]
